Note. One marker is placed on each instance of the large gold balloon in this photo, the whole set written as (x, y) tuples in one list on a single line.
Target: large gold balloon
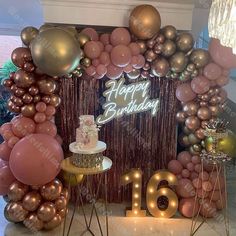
[(15, 212), (178, 62), (200, 57), (185, 42), (28, 34), (33, 223), (145, 21), (55, 52), (31, 201), (52, 190), (46, 211), (17, 191)]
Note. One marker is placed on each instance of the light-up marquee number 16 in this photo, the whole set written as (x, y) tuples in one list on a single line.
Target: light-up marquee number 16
[(152, 194)]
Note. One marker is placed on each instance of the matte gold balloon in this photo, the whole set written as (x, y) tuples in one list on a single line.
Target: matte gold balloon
[(178, 62), (15, 212), (193, 139), (28, 110), (56, 221), (169, 32), (83, 39), (23, 79), (86, 62), (190, 108), (28, 34), (144, 21), (47, 86), (61, 203), (192, 123), (160, 67), (200, 57), (31, 201), (204, 113), (185, 42), (59, 56), (55, 100), (17, 191), (142, 46), (168, 48), (33, 223), (46, 211), (52, 190), (180, 116)]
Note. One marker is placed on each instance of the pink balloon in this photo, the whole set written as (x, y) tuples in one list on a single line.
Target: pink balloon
[(5, 151), (208, 209), (185, 188), (184, 93), (59, 139), (23, 126), (184, 158), (46, 127), (92, 50), (175, 167), (188, 207), (6, 179), (128, 68), (91, 70), (212, 71), (41, 107), (105, 58), (135, 49), (3, 163), (215, 195), (95, 62), (121, 56), (108, 48), (197, 183), (221, 55), (120, 36), (202, 194), (7, 134), (194, 175), (226, 72), (13, 141), (200, 84), (35, 159), (217, 181), (222, 81), (97, 76), (114, 72), (50, 110), (221, 203), (101, 70), (140, 62), (105, 39), (39, 117), (204, 176), (213, 83), (134, 61), (190, 166), (198, 168), (92, 33), (4, 127), (207, 186), (100, 44), (185, 173)]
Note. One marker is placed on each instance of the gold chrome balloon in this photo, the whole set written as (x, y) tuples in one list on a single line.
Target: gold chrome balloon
[(178, 62), (83, 39), (28, 34), (200, 57), (33, 223), (185, 42), (169, 32)]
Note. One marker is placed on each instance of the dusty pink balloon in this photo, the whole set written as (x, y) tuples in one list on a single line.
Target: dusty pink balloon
[(184, 158), (7, 134), (100, 44), (197, 183), (188, 207), (41, 107), (95, 62), (35, 159), (200, 84), (13, 141), (190, 166), (114, 72), (208, 209), (92, 33), (101, 70), (222, 81), (121, 55), (46, 127), (185, 188), (202, 194), (212, 71), (108, 48), (185, 173), (105, 39), (194, 175), (50, 110), (91, 70), (184, 93), (6, 179), (140, 62), (92, 50), (204, 176), (221, 203), (59, 139), (198, 168), (135, 49), (213, 83), (105, 58), (5, 151), (134, 61), (207, 186), (4, 127), (120, 36), (217, 181), (40, 117), (128, 68), (175, 167)]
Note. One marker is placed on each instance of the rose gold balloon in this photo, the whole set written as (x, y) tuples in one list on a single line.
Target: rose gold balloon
[(142, 46), (204, 113), (52, 190), (55, 100), (33, 223), (7, 83), (19, 92), (27, 98), (183, 140), (61, 203), (56, 221), (37, 98), (65, 193), (13, 88), (23, 79), (200, 133), (28, 110), (46, 99), (160, 67), (47, 86), (29, 67), (192, 123), (190, 108), (204, 124), (21, 55), (17, 191), (18, 102), (203, 104), (215, 110), (150, 55), (33, 90), (31, 201), (15, 212), (180, 116), (46, 211), (63, 213)]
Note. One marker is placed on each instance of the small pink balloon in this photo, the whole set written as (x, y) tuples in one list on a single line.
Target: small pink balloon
[(121, 56), (221, 203), (207, 186), (5, 151), (135, 49), (46, 127), (97, 76), (208, 209), (41, 107), (105, 39), (105, 58), (6, 179), (226, 72), (215, 195), (204, 176), (50, 110), (91, 70), (189, 207), (197, 183), (213, 83), (120, 36), (13, 141), (212, 71), (185, 173), (95, 62), (101, 70), (194, 175), (175, 167), (202, 194), (179, 176), (134, 61), (140, 62), (100, 44), (185, 188), (184, 158), (217, 180), (198, 168), (222, 81), (92, 33), (128, 68), (184, 93), (7, 134), (108, 48), (190, 166), (40, 117), (92, 50), (114, 72), (4, 127), (59, 139), (200, 84)]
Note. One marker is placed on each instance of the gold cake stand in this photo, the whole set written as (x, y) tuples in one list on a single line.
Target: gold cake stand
[(88, 192)]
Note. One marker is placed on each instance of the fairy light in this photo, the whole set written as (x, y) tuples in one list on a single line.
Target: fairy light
[(136, 185)]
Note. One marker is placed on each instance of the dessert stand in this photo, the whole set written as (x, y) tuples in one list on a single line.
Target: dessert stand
[(86, 191)]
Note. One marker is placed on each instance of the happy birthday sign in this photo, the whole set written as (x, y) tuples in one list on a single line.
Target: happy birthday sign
[(128, 99)]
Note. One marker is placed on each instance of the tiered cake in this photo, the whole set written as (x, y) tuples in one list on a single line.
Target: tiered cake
[(87, 150)]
